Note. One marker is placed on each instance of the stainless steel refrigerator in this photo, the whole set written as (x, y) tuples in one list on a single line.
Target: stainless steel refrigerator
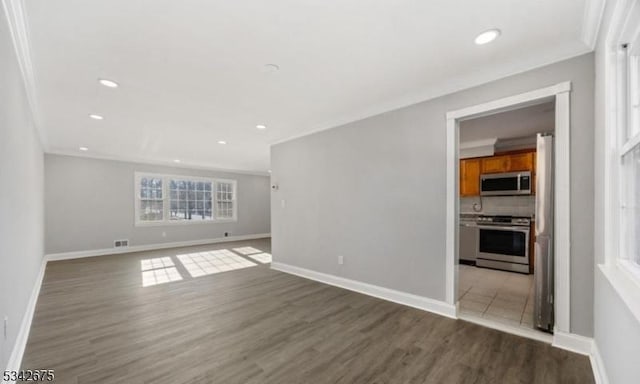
[(543, 265)]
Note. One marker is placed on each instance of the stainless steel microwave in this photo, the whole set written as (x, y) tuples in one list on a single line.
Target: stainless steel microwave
[(505, 184)]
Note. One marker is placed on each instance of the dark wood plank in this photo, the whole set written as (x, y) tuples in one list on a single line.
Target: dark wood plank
[(96, 323)]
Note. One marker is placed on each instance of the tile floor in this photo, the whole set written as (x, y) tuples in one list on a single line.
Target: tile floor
[(505, 297)]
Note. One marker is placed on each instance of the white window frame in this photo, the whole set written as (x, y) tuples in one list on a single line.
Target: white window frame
[(216, 201), (622, 274), (626, 144), (166, 198)]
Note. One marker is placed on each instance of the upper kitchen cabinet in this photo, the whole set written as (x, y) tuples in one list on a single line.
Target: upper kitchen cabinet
[(522, 162), (495, 164), (470, 177), (471, 169), (513, 162)]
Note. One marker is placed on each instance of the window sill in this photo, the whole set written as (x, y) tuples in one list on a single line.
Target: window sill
[(185, 222), (626, 285)]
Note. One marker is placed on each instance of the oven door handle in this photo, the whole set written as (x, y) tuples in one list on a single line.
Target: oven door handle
[(498, 227)]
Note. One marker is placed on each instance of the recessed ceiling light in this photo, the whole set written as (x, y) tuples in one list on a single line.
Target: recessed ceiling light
[(176, 160), (108, 83), (96, 117), (83, 149), (261, 126), (268, 170), (487, 36), (270, 68), (222, 142)]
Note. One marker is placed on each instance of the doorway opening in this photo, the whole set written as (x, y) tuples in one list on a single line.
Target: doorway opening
[(508, 213)]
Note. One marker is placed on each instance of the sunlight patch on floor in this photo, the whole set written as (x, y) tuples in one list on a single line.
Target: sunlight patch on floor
[(207, 263), (263, 258), (158, 271), (246, 250)]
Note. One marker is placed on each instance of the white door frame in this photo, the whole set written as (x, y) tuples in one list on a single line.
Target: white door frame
[(560, 92)]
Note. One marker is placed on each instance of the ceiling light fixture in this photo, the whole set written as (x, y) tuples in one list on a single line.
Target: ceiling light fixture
[(176, 160), (268, 170), (96, 117), (83, 149), (222, 142), (487, 36), (270, 68), (108, 83), (261, 126)]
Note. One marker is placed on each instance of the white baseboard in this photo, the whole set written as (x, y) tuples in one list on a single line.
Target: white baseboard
[(585, 346), (408, 299), (15, 359), (599, 372), (150, 247), (572, 342)]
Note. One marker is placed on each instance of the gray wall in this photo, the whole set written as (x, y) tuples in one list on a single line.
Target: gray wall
[(617, 333), (21, 197), (90, 203), (617, 330), (374, 191)]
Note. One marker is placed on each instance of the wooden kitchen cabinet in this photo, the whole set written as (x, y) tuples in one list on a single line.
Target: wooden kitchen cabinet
[(471, 169), (521, 162), (515, 162), (496, 164), (470, 177)]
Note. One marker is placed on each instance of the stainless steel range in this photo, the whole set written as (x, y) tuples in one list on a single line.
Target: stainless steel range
[(503, 243)]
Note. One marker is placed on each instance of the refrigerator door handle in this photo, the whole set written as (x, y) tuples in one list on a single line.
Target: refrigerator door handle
[(543, 275), (538, 277), (550, 275)]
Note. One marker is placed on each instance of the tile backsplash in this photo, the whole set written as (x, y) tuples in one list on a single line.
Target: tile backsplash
[(500, 205)]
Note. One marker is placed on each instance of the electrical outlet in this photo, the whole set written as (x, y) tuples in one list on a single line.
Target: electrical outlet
[(6, 326), (340, 259), (164, 234), (283, 203)]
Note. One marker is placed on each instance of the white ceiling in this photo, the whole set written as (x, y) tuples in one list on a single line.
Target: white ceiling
[(191, 72)]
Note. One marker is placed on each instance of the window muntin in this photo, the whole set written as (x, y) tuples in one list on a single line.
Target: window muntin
[(167, 199)]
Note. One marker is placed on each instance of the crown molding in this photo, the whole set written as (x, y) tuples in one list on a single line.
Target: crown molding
[(593, 13), (19, 30), (163, 163)]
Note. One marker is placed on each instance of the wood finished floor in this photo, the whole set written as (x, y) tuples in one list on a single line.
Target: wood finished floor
[(96, 323)]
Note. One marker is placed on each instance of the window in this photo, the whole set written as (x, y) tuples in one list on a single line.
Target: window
[(224, 200), (622, 141), (190, 200), (166, 199), (151, 204), (630, 155)]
